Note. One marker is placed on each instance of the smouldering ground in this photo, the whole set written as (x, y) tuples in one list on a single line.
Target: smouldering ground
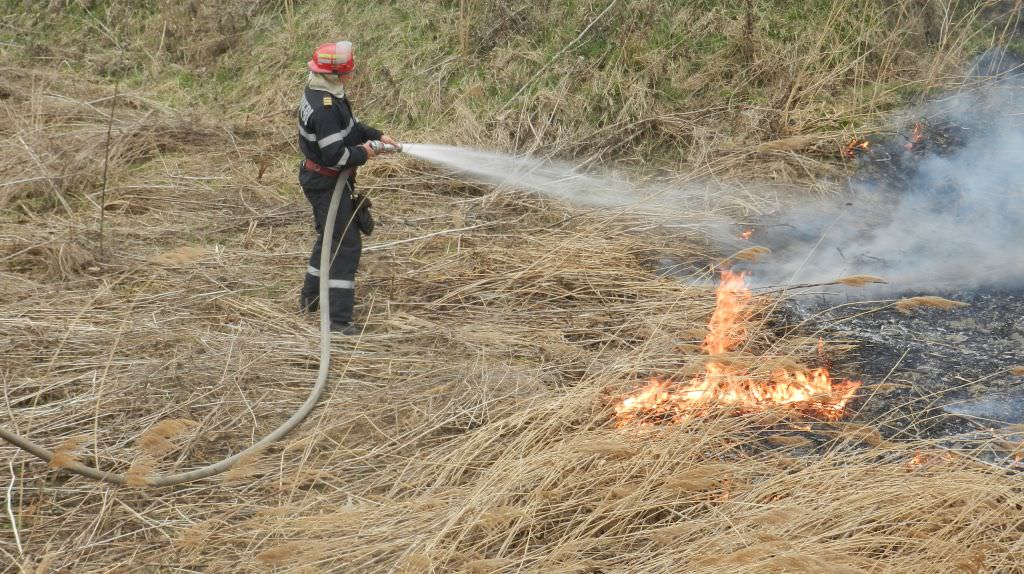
[(467, 431)]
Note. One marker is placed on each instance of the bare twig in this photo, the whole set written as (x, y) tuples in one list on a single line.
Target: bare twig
[(10, 509), (382, 246), (106, 163)]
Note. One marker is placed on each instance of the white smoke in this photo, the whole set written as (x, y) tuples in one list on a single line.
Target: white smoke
[(946, 219)]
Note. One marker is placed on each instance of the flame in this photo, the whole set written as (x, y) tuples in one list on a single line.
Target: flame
[(916, 137), (724, 384), (850, 150), (746, 234), (726, 329), (921, 459)]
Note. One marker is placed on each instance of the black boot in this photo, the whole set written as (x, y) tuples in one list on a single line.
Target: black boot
[(309, 298), (347, 329), (342, 302), (308, 305)]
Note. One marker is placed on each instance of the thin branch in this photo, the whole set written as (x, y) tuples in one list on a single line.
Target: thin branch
[(10, 510), (106, 162), (427, 236)]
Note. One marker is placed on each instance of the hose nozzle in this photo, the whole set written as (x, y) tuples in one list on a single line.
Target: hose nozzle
[(379, 147)]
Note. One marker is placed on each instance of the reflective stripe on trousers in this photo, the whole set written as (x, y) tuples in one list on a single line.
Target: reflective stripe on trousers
[(332, 283), (347, 249)]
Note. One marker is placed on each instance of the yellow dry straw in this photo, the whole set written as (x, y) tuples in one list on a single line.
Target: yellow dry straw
[(157, 438), (750, 254), (905, 306), (64, 455), (860, 280)]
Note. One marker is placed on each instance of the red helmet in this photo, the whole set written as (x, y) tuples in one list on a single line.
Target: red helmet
[(333, 58)]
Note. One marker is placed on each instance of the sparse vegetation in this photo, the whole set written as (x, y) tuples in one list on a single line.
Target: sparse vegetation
[(468, 431)]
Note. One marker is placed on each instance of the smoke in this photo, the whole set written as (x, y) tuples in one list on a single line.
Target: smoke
[(943, 214)]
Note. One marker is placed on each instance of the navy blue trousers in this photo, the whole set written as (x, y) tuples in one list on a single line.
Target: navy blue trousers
[(348, 246)]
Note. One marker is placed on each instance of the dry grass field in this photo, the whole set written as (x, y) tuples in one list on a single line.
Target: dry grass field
[(152, 247)]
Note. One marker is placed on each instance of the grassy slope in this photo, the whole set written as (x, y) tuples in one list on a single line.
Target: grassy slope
[(468, 432), (650, 67)]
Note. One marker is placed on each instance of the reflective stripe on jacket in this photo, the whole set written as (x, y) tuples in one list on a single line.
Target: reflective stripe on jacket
[(330, 135)]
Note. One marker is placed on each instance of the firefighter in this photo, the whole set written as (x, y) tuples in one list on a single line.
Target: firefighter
[(334, 143)]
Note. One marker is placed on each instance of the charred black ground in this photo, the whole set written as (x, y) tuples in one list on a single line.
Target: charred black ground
[(929, 372)]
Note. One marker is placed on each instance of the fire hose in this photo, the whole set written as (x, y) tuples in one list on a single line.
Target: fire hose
[(280, 432)]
